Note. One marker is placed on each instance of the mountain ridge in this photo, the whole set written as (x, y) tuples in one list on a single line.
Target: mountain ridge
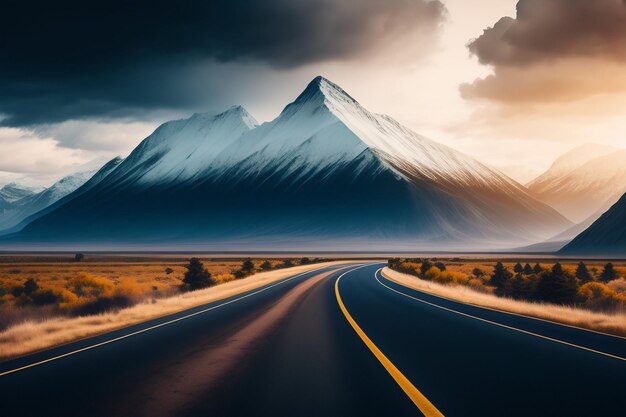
[(324, 169)]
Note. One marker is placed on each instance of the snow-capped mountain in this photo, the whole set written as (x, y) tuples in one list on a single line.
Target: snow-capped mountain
[(580, 182), (325, 170), (30, 207), (605, 237), (13, 192)]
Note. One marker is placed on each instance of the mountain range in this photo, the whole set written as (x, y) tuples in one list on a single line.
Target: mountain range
[(325, 172), (30, 203), (584, 182)]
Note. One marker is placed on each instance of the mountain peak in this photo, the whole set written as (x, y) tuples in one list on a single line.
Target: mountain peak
[(323, 90), (233, 112)]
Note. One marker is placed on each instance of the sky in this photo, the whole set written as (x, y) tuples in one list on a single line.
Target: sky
[(512, 83)]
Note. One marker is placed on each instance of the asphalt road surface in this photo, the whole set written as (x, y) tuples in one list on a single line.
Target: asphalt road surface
[(339, 341)]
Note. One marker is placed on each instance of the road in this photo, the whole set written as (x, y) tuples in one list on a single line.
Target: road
[(339, 341)]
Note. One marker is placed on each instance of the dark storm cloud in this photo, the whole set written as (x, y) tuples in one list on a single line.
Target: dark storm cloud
[(553, 50), (63, 60), (553, 29)]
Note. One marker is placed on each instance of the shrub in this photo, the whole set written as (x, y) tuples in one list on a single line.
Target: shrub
[(425, 267), (168, 270), (287, 263), (79, 257), (618, 285), (86, 285), (266, 265), (599, 296), (478, 273), (440, 265), (305, 261)]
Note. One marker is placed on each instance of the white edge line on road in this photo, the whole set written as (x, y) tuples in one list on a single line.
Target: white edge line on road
[(496, 323), (106, 342), (504, 311)]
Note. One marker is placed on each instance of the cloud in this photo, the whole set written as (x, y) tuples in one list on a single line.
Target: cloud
[(26, 153), (73, 59), (553, 51)]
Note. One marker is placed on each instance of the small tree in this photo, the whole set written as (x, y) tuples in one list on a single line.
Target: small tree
[(79, 257), (197, 276), (424, 267), (287, 263), (518, 268), (266, 265), (247, 265), (500, 278), (537, 269), (582, 273), (305, 261), (608, 273), (556, 286), (527, 269), (440, 266), (168, 270)]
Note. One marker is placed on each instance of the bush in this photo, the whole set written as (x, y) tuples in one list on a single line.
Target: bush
[(600, 297), (266, 265), (305, 261), (79, 257), (287, 263), (425, 267), (440, 265)]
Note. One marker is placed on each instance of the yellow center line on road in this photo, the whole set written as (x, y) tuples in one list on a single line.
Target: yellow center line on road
[(116, 339), (421, 402), (496, 323)]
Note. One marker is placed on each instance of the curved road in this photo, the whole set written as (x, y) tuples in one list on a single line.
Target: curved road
[(338, 341)]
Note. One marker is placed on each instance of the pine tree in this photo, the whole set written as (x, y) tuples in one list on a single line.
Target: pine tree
[(582, 273), (500, 278), (608, 273), (247, 265), (537, 269), (528, 269), (556, 286), (518, 268), (197, 276)]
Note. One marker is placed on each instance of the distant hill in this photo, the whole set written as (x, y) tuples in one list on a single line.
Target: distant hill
[(606, 236), (580, 182)]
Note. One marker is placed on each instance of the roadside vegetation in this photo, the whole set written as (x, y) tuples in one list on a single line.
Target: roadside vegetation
[(592, 296), (598, 288), (32, 335), (35, 291)]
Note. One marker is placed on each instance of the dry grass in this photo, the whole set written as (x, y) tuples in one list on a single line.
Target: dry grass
[(31, 336), (603, 322)]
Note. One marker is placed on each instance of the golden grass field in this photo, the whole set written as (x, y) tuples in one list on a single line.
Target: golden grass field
[(33, 335)]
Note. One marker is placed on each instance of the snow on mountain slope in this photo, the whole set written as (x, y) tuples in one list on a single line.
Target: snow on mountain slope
[(183, 149), (568, 162), (580, 192), (325, 169), (13, 192), (35, 203)]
